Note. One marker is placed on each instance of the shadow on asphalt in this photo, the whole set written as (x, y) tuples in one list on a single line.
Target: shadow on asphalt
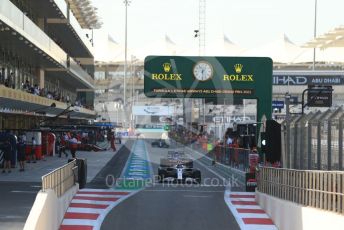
[(114, 167)]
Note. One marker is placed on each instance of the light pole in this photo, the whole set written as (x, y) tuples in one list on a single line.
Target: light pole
[(126, 2), (132, 71), (134, 61), (315, 31)]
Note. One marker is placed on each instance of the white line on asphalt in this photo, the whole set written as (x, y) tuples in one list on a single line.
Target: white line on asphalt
[(32, 192), (181, 190), (241, 193), (254, 215), (243, 199), (91, 202), (10, 217), (247, 206), (85, 210), (79, 222), (193, 196), (99, 195), (260, 227)]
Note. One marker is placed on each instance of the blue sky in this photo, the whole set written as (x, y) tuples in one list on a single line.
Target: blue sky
[(248, 23)]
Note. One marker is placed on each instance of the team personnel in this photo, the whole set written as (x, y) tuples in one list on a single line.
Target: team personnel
[(33, 151), (64, 144), (73, 146), (21, 154), (113, 146), (7, 149)]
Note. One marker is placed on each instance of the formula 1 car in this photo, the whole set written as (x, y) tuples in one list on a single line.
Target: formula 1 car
[(178, 167), (175, 158), (160, 143)]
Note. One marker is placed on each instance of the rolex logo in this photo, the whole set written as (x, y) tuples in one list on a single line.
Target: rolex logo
[(167, 67), (238, 68)]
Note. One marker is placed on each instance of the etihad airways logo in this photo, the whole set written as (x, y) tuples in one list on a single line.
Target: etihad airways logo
[(167, 76), (238, 77)]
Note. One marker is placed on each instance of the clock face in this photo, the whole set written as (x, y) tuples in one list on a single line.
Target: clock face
[(203, 71)]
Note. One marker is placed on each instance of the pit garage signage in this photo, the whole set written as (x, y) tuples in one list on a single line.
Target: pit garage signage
[(308, 80), (210, 77), (319, 97)]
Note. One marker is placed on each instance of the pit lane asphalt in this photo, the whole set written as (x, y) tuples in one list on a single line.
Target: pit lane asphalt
[(171, 206), (16, 200), (17, 197)]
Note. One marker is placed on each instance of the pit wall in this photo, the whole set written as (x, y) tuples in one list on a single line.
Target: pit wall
[(48, 210), (288, 215)]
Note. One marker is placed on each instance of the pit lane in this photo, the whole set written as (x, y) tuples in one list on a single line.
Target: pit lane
[(175, 206)]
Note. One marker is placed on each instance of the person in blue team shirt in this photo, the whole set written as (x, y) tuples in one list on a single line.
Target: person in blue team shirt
[(21, 154), (7, 149)]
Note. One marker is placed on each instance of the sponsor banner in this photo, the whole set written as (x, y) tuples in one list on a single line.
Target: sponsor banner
[(308, 80), (230, 119), (153, 110), (207, 77), (231, 78), (277, 104)]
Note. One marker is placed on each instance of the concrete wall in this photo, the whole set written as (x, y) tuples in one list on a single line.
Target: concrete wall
[(288, 215), (48, 210)]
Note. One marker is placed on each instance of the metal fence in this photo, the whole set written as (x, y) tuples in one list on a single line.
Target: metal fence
[(318, 189), (314, 141), (61, 179)]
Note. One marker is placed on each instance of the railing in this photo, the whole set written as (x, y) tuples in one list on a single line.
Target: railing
[(62, 5), (16, 19), (319, 189), (84, 110), (80, 72), (62, 179), (19, 95), (80, 32)]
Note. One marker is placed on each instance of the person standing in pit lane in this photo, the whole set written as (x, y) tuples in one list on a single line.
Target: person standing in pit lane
[(73, 146), (7, 149), (33, 150), (58, 145), (113, 146), (64, 144), (21, 154)]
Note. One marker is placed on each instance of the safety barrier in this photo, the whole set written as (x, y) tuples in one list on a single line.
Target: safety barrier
[(318, 189), (61, 179)]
